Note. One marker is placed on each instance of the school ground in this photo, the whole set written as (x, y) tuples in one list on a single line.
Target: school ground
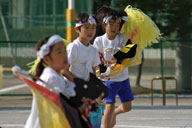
[(14, 110)]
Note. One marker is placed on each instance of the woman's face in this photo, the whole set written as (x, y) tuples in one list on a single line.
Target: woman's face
[(112, 28), (57, 59)]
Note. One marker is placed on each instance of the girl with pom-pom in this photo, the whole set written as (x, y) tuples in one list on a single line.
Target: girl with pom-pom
[(108, 44), (127, 33)]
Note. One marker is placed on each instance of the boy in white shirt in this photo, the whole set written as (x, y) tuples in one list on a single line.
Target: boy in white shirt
[(82, 56)]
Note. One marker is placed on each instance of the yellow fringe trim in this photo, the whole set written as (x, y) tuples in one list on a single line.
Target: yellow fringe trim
[(146, 31), (142, 31)]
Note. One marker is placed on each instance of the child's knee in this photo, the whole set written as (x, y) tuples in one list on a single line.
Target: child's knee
[(127, 107), (110, 107)]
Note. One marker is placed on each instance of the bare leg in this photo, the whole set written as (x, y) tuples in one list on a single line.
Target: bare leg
[(124, 107), (109, 109)]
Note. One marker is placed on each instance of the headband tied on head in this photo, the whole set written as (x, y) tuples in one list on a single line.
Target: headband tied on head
[(45, 49), (107, 19), (90, 20), (125, 18)]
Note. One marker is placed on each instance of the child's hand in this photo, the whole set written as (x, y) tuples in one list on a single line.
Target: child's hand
[(65, 72), (84, 105), (67, 65), (110, 62), (65, 69), (85, 100)]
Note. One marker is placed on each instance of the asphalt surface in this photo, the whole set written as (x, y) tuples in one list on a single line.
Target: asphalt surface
[(14, 110), (137, 118)]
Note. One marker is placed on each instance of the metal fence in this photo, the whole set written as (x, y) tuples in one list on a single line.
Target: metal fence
[(155, 59), (33, 19), (24, 53)]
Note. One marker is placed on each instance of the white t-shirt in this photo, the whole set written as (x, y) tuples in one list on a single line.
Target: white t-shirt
[(33, 119), (54, 82), (108, 48), (82, 58)]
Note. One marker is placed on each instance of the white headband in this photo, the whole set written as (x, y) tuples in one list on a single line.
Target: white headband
[(107, 19), (45, 49), (125, 18), (90, 20)]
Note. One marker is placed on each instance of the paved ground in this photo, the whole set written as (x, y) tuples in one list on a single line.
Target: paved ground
[(14, 110), (137, 118)]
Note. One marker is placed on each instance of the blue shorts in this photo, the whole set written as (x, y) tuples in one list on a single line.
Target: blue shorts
[(122, 88)]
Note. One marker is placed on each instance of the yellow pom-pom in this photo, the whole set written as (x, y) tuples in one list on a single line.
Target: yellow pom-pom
[(142, 31), (146, 31)]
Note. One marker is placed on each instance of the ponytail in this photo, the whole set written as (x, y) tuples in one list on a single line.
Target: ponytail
[(39, 69)]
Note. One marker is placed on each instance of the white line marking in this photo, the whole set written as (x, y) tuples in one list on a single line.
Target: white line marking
[(131, 126), (11, 125), (5, 90), (143, 119)]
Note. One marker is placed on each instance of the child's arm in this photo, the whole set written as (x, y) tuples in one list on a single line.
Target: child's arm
[(65, 72), (110, 62), (128, 51), (95, 68), (68, 75)]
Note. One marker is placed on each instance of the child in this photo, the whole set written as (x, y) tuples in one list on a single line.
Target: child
[(83, 57), (52, 52), (108, 44)]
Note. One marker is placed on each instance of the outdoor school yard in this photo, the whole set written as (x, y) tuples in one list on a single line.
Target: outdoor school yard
[(14, 108), (23, 24)]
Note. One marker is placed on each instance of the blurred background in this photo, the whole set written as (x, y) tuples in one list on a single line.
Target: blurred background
[(24, 22)]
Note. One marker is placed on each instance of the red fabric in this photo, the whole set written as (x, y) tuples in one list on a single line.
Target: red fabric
[(52, 96), (90, 103)]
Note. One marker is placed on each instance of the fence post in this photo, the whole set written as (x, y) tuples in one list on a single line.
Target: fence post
[(70, 21), (164, 89)]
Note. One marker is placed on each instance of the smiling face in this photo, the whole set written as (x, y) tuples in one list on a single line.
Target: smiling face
[(86, 33), (57, 59), (112, 28)]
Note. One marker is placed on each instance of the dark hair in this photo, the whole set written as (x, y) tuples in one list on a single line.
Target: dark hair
[(83, 17), (121, 13), (106, 11), (40, 67)]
